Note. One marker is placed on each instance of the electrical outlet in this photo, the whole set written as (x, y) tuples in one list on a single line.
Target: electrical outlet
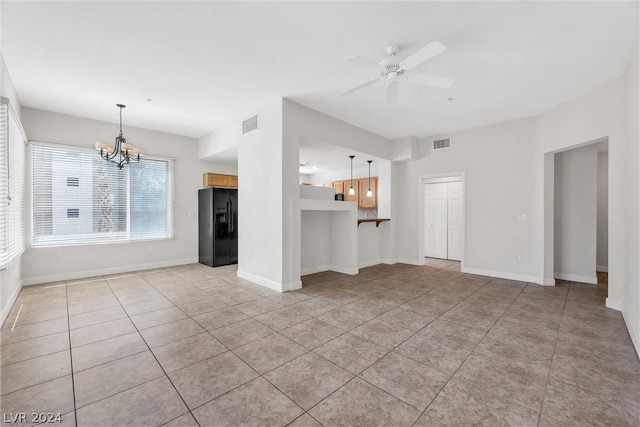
[(522, 218), (520, 256)]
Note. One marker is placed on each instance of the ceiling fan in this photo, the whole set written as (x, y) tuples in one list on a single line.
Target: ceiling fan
[(394, 70)]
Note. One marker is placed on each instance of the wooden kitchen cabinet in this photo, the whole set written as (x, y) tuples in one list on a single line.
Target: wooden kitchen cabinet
[(219, 180), (365, 202), (360, 186)]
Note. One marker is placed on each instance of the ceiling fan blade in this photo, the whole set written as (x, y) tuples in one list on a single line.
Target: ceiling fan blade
[(362, 86), (423, 55), (431, 80), (364, 62), (392, 92)]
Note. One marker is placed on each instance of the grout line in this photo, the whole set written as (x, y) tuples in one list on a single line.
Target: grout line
[(555, 345), (32, 323), (41, 355), (153, 354), (334, 282), (75, 283), (112, 360), (16, 320), (120, 391), (34, 385), (474, 347), (357, 375), (33, 338), (73, 381)]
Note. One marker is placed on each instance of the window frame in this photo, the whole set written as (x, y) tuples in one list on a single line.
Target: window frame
[(170, 213), (13, 238)]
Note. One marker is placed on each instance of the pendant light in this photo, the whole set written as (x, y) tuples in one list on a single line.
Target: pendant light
[(369, 192), (122, 152), (352, 190)]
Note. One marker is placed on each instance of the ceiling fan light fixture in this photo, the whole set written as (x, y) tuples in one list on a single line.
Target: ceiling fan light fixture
[(395, 70)]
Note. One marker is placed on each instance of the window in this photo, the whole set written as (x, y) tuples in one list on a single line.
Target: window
[(12, 148), (102, 203)]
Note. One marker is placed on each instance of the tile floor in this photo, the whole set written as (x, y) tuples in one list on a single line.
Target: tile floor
[(395, 345)]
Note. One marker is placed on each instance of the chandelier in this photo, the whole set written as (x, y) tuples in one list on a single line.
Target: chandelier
[(122, 152)]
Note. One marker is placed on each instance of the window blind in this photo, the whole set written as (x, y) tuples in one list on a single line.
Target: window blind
[(79, 198), (12, 217)]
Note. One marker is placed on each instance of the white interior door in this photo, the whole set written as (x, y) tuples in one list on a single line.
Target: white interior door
[(454, 220), (435, 213)]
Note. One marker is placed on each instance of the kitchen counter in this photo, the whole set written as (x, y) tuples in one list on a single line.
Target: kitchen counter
[(376, 220)]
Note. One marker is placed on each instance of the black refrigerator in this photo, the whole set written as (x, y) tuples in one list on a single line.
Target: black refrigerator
[(218, 226)]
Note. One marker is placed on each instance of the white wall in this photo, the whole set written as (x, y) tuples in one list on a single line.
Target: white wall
[(220, 141), (372, 247), (343, 174), (591, 117), (320, 128), (9, 278), (594, 116), (315, 255), (602, 240), (57, 263), (300, 123), (609, 111), (631, 287), (496, 161), (263, 199), (326, 242), (576, 207)]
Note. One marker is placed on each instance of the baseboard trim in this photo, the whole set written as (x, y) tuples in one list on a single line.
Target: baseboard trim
[(602, 268), (547, 282), (633, 332), (259, 280), (345, 270), (314, 270), (12, 300), (614, 304), (593, 280), (502, 275), (410, 261), (106, 271), (295, 285), (336, 268), (370, 263)]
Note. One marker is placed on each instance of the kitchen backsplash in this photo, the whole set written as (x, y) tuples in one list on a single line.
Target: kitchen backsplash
[(367, 213)]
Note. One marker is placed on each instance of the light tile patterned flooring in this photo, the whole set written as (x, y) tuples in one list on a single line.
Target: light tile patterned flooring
[(395, 345)]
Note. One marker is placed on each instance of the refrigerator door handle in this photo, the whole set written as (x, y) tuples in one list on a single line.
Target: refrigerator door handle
[(231, 221)]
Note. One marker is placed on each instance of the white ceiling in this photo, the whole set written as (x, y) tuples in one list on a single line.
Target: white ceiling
[(206, 64), (322, 158)]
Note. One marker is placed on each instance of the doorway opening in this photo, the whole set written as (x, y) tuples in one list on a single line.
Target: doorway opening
[(581, 213), (442, 217)]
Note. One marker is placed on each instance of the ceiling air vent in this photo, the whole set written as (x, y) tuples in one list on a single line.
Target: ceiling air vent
[(249, 125), (439, 144)]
